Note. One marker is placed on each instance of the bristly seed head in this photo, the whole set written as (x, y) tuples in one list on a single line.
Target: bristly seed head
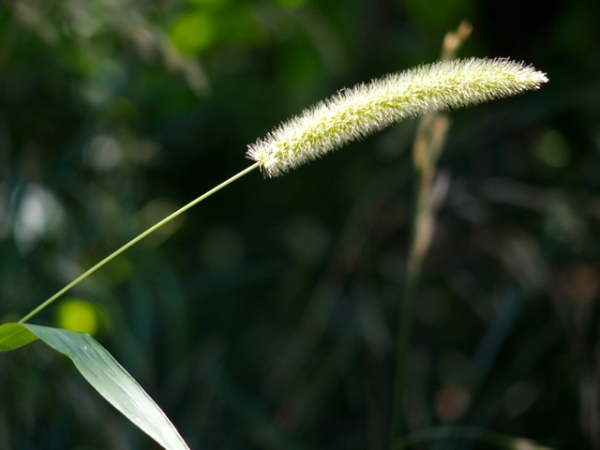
[(366, 108)]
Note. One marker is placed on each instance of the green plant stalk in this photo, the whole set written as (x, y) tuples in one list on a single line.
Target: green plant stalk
[(404, 331), (426, 150), (428, 143), (137, 239)]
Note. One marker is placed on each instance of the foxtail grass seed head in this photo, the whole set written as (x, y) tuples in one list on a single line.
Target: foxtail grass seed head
[(366, 108)]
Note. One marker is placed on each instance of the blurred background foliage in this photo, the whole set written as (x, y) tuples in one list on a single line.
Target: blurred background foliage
[(265, 318)]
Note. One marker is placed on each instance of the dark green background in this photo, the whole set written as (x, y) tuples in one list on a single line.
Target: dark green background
[(265, 318)]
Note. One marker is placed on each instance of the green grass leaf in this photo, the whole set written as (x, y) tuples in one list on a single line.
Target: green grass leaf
[(105, 375), (13, 336)]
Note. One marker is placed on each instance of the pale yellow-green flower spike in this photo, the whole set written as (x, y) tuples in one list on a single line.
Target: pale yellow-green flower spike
[(366, 108)]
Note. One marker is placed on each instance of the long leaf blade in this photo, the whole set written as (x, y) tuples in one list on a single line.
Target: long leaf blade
[(14, 335), (113, 382)]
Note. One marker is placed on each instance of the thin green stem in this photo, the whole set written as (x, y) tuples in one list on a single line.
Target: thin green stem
[(403, 340), (137, 239)]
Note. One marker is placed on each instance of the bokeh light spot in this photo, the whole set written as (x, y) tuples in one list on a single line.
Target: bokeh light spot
[(553, 150), (290, 3), (78, 315), (437, 15), (192, 32), (206, 2)]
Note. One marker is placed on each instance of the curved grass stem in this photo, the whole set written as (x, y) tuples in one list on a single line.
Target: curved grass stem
[(136, 240)]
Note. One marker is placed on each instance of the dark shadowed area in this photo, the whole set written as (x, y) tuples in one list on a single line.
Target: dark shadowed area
[(266, 317)]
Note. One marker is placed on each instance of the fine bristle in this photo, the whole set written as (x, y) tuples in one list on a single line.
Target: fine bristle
[(366, 108)]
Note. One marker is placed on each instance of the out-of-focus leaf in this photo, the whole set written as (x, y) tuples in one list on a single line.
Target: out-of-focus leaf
[(113, 382), (14, 335)]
